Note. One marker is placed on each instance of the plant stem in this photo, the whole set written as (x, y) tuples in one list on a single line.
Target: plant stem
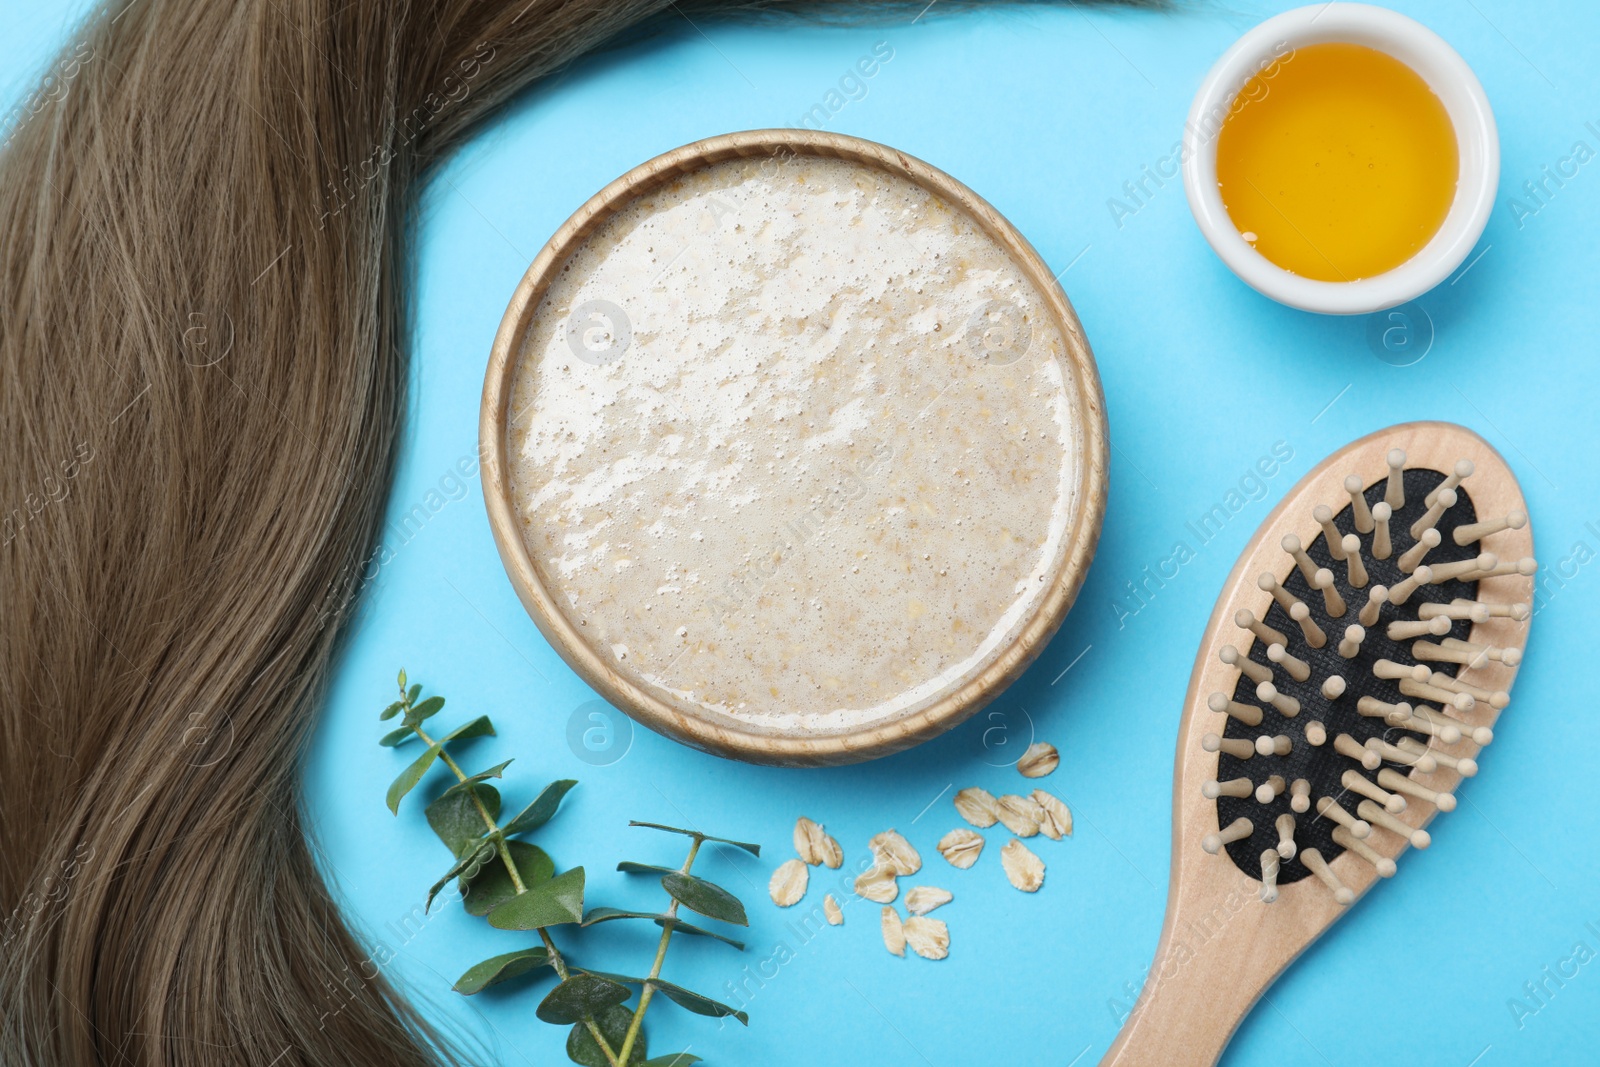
[(649, 989), (557, 962)]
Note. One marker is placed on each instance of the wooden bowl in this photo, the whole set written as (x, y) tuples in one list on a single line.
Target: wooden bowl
[(695, 725)]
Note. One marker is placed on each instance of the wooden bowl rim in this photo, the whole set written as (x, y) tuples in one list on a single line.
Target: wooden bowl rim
[(722, 735)]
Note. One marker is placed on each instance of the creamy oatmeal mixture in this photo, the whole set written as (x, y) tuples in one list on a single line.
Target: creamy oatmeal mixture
[(793, 441)]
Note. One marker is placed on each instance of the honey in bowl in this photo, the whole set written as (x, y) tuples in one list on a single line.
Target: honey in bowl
[(1339, 163)]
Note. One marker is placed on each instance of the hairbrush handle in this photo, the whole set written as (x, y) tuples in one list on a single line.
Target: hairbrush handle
[(1205, 977)]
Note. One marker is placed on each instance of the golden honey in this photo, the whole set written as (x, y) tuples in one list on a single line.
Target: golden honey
[(1338, 164)]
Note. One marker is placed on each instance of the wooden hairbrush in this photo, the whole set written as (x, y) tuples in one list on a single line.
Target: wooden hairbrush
[(1351, 672)]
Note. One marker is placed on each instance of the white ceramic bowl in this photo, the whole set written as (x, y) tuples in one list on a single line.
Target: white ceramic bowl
[(1420, 49)]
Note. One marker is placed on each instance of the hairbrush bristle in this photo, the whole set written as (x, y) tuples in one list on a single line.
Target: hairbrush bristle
[(1394, 489), (1382, 864), (1256, 672), (1393, 803), (1284, 824), (1246, 620), (1496, 698), (1463, 470), (1441, 504), (1298, 668), (1329, 808), (1382, 541), (1401, 591), (1355, 568), (1291, 544), (1319, 866), (1407, 629), (1331, 536), (1350, 748), (1332, 602), (1524, 566), (1270, 864), (1300, 615), (1286, 705), (1269, 583), (1412, 558), (1361, 515), (1237, 830), (1377, 597), (1476, 611), (1395, 572), (1477, 531), (1223, 704), (1445, 572), (1378, 817)]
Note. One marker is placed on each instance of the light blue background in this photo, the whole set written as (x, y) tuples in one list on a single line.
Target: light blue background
[(1046, 113)]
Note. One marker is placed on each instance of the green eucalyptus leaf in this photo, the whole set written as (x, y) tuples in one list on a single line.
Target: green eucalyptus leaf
[(682, 927), (707, 898), (424, 711), (469, 865), (748, 846), (613, 1023), (492, 886), (473, 779), (502, 968), (754, 850), (685, 998), (411, 776), (600, 915), (581, 994), (692, 1001), (620, 979), (455, 817), (664, 826), (543, 807), (413, 693), (397, 737), (392, 710), (677, 1059), (630, 867), (550, 903), (479, 727)]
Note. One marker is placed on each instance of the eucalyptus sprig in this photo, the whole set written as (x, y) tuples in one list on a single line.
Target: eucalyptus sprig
[(523, 892)]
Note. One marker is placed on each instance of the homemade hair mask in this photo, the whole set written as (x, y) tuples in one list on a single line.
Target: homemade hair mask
[(802, 453)]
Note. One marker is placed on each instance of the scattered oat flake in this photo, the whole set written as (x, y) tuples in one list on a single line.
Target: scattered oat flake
[(1040, 760), (978, 807), (815, 846), (1057, 821), (831, 909), (924, 898), (928, 938), (877, 885), (894, 932), (895, 852), (1023, 868), (961, 848), (788, 883), (1022, 815)]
